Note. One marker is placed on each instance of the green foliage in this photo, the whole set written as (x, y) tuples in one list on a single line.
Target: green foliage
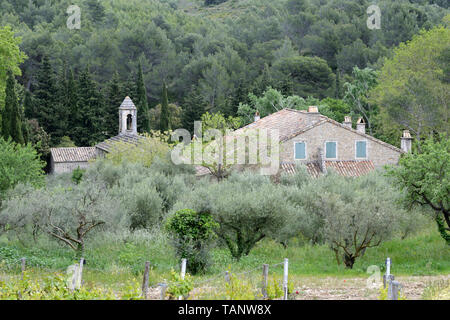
[(237, 289), (439, 290), (384, 294), (54, 287), (77, 175), (19, 164), (178, 287), (164, 124), (424, 177), (10, 58), (411, 92), (247, 207), (11, 116), (192, 234), (145, 151)]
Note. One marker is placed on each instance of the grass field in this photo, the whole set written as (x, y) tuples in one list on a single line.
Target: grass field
[(111, 263)]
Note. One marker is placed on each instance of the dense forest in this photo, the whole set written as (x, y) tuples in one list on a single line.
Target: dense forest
[(215, 56)]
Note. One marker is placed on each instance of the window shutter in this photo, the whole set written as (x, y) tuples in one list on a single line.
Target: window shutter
[(300, 150), (330, 152), (361, 149)]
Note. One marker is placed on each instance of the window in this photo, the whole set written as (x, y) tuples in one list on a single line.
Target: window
[(300, 150), (361, 149), (331, 150)]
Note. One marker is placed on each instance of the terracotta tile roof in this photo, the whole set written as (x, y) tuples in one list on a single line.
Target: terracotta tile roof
[(127, 138), (82, 154), (349, 168), (287, 121)]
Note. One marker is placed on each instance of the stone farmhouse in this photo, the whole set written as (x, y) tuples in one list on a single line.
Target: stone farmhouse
[(68, 159), (306, 137), (320, 143)]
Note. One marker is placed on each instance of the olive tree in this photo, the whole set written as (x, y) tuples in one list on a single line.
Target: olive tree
[(352, 214), (67, 214), (247, 207)]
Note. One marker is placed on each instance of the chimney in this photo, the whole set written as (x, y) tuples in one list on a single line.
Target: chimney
[(313, 109), (347, 122), (406, 142), (361, 125), (257, 117)]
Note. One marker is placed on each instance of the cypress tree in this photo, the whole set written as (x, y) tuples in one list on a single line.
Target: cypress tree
[(89, 128), (11, 118), (113, 100), (72, 103), (338, 91), (164, 119), (46, 98), (194, 106), (141, 103)]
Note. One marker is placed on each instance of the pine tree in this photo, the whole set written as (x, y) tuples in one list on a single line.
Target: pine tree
[(11, 118), (113, 99), (194, 106), (142, 103), (164, 119)]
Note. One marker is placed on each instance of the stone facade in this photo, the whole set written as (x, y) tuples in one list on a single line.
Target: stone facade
[(378, 152), (63, 167)]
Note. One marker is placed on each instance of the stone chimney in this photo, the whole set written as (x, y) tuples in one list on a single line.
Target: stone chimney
[(361, 125), (313, 109), (406, 142), (347, 122), (257, 116)]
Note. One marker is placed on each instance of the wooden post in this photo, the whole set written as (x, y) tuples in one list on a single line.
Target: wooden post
[(163, 290), (285, 278), (23, 266), (145, 280), (265, 280), (387, 279), (183, 273)]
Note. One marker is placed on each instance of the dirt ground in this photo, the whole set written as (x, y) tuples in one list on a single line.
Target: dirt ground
[(336, 288), (331, 288)]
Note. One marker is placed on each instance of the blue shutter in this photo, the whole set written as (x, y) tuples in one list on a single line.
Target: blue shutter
[(300, 150), (330, 152), (361, 149)]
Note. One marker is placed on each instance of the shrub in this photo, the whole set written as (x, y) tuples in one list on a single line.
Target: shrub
[(19, 163), (192, 235)]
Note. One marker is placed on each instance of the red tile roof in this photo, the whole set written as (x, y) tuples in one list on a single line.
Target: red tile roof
[(349, 168)]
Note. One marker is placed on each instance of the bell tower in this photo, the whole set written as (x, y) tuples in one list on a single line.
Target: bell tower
[(127, 117)]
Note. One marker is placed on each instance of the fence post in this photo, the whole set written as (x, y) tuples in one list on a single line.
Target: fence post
[(390, 291), (23, 266), (285, 278), (145, 280), (395, 290), (388, 272), (163, 290), (80, 273), (183, 273), (227, 277), (265, 280)]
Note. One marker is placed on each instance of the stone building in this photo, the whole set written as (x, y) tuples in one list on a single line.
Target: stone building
[(67, 159), (320, 143)]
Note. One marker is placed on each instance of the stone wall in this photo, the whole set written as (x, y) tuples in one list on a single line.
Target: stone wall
[(315, 138), (63, 167)]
